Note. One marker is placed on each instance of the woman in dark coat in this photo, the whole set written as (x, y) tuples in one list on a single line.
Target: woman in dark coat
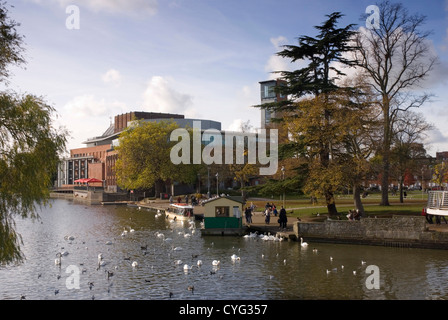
[(282, 219)]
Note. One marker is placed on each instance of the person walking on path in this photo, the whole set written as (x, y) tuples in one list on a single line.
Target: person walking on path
[(267, 218), (248, 214), (283, 219)]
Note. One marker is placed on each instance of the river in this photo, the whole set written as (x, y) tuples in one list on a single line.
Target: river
[(265, 270)]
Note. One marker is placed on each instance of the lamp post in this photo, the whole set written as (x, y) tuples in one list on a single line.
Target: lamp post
[(217, 184), (208, 182), (283, 179), (423, 169)]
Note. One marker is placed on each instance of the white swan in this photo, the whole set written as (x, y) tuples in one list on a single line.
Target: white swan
[(216, 263), (58, 260), (303, 244), (187, 267), (199, 263), (134, 264), (178, 262), (234, 257)]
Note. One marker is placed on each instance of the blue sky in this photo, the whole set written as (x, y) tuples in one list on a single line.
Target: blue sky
[(201, 58)]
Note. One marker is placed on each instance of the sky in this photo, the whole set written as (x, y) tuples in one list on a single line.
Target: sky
[(200, 58)]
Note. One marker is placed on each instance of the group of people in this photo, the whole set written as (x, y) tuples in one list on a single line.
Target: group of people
[(192, 198), (248, 212), (270, 209)]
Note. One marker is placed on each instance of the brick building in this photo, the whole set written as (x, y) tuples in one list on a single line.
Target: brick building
[(97, 159)]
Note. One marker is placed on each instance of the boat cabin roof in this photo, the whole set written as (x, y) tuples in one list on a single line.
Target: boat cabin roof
[(181, 206)]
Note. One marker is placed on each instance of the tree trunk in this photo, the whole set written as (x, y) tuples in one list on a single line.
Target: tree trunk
[(331, 204), (386, 154), (401, 190), (158, 187), (357, 199)]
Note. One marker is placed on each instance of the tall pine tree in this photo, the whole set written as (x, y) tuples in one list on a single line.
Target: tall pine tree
[(318, 79)]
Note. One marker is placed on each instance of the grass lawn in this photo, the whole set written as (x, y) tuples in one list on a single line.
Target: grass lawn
[(303, 208)]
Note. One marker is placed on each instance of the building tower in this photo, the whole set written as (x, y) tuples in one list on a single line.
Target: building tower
[(268, 95)]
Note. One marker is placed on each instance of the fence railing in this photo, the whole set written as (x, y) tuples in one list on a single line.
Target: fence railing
[(438, 200)]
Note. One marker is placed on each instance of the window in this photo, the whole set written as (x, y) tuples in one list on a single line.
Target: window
[(222, 211), (236, 212), (267, 116), (268, 91)]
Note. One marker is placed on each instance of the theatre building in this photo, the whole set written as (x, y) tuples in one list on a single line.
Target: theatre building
[(97, 159)]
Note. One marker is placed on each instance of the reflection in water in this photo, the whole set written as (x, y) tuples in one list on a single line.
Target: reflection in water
[(265, 270)]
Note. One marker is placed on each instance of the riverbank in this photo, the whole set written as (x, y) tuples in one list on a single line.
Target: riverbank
[(396, 230)]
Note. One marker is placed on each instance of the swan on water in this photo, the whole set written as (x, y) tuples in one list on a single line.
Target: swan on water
[(199, 263), (187, 267), (58, 261), (234, 257), (303, 244), (216, 263), (134, 264)]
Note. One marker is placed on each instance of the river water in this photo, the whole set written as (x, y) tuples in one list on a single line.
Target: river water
[(266, 270)]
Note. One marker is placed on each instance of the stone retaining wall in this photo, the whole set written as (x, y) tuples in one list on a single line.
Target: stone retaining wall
[(408, 231)]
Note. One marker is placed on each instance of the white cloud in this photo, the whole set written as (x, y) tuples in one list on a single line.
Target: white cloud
[(87, 106), (275, 62), (112, 76), (160, 96), (133, 7), (239, 125), (279, 41)]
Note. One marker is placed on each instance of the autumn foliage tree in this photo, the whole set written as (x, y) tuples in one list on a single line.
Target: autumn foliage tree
[(318, 80), (144, 158)]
